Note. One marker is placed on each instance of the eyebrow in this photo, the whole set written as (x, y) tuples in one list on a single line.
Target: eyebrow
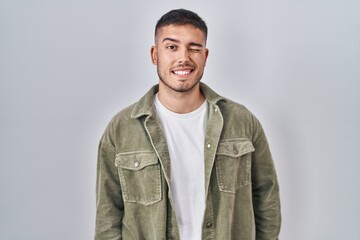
[(177, 41)]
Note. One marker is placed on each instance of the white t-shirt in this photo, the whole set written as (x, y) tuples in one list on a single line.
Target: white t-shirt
[(185, 136)]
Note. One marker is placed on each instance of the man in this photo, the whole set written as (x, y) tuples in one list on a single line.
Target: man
[(184, 162)]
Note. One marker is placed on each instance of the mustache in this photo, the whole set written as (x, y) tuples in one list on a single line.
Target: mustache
[(185, 65)]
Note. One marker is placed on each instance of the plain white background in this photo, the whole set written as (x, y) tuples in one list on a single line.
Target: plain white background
[(66, 67)]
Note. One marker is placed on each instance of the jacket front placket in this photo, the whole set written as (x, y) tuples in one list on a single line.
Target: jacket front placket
[(159, 144), (212, 137)]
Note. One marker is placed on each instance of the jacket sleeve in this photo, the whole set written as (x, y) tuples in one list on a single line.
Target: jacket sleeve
[(109, 202), (266, 200)]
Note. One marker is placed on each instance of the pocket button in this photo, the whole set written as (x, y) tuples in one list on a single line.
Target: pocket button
[(136, 164)]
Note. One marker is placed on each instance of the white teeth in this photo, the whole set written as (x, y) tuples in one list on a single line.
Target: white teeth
[(184, 72)]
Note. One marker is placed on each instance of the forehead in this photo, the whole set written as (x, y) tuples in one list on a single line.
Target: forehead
[(183, 33)]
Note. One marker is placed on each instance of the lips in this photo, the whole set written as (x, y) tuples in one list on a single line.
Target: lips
[(182, 72)]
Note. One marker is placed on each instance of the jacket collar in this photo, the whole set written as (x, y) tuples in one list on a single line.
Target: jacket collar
[(145, 106)]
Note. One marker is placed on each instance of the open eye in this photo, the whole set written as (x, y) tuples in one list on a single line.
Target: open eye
[(171, 47)]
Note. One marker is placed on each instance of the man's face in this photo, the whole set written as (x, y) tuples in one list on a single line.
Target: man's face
[(180, 55)]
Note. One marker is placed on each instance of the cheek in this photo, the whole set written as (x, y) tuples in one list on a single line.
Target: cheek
[(201, 61), (167, 62)]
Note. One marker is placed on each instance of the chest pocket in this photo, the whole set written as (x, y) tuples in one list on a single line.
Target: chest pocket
[(233, 164), (140, 178)]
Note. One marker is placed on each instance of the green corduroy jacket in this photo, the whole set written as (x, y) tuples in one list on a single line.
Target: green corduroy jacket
[(133, 194)]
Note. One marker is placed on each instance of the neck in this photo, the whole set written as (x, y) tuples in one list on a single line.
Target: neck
[(181, 102)]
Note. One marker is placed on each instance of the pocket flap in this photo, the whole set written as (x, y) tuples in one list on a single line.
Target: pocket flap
[(235, 147), (135, 160)]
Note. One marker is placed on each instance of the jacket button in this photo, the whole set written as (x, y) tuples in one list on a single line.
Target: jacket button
[(209, 225), (136, 164)]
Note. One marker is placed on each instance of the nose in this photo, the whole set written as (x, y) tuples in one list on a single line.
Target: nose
[(184, 56)]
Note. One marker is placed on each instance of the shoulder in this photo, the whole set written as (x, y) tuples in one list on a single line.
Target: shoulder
[(123, 115), (128, 121), (239, 121), (228, 108), (231, 109), (118, 124)]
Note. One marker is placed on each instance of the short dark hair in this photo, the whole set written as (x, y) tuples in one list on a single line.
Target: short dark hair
[(182, 17)]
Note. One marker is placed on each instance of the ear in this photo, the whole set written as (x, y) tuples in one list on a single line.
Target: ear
[(206, 55), (153, 53)]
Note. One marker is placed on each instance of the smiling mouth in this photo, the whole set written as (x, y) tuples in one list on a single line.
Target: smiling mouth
[(182, 72)]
